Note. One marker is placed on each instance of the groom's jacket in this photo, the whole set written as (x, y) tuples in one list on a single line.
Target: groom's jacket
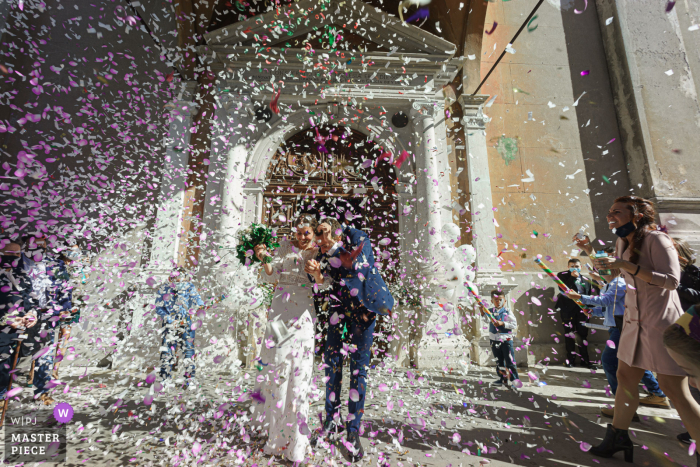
[(362, 281)]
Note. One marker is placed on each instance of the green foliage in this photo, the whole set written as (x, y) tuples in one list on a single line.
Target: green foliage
[(268, 291), (255, 235)]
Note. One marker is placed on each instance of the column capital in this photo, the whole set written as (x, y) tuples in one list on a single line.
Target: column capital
[(423, 109), (473, 110)]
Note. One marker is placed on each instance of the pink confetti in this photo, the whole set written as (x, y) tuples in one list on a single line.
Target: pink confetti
[(585, 5), (585, 72), (585, 447)]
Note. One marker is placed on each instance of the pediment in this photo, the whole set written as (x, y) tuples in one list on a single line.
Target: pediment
[(361, 21)]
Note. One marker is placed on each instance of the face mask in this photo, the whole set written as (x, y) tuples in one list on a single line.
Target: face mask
[(625, 230), (9, 260), (575, 270)]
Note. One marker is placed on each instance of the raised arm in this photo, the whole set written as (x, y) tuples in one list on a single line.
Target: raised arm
[(608, 298), (271, 271)]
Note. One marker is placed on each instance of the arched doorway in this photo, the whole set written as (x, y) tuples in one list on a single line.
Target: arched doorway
[(333, 171)]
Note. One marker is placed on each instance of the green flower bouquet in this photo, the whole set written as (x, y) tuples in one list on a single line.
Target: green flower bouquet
[(254, 235)]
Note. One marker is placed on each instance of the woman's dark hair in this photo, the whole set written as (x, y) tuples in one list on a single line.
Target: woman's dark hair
[(307, 220), (646, 224), (685, 253), (676, 339)]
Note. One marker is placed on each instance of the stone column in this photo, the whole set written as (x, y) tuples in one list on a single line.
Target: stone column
[(165, 232), (219, 269), (427, 211), (141, 348), (488, 273)]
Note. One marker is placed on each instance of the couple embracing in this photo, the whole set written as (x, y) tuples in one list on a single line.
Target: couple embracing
[(317, 257)]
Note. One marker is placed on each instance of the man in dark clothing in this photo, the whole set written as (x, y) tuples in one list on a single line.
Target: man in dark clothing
[(53, 293), (571, 314), (16, 307)]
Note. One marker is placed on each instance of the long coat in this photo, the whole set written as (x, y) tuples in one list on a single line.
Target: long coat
[(650, 308)]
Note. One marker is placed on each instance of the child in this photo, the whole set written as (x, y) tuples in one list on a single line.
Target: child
[(501, 337)]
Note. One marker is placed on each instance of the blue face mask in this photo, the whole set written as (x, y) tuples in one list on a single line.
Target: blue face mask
[(575, 270)]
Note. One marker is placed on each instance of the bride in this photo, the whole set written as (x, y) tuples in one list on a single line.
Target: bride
[(287, 356)]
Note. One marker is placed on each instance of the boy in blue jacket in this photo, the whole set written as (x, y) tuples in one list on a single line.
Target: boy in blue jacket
[(176, 301)]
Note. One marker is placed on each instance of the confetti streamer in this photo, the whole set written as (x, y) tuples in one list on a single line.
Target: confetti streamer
[(273, 103), (559, 282)]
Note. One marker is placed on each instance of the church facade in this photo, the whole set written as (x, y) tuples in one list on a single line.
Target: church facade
[(514, 189)]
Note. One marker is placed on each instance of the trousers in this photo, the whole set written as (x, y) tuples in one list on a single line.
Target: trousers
[(610, 364), (574, 325), (361, 336), (175, 334), (505, 358)]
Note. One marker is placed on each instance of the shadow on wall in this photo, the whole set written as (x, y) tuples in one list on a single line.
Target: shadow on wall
[(604, 160), (541, 325)]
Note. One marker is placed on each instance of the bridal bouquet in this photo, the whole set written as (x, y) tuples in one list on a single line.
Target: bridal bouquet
[(254, 235)]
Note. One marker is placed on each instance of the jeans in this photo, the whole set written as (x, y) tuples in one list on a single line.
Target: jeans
[(609, 359), (505, 358), (361, 335), (177, 332)]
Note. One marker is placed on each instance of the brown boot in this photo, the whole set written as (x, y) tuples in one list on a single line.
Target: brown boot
[(46, 399), (655, 401)]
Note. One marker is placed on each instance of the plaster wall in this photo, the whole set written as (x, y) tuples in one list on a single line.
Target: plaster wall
[(555, 154), (655, 64)]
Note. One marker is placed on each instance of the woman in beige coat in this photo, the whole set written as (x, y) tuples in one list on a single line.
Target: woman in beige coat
[(649, 263)]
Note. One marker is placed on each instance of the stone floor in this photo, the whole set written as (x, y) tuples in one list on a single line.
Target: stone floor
[(420, 418)]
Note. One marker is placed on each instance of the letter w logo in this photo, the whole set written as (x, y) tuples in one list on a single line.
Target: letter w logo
[(63, 412)]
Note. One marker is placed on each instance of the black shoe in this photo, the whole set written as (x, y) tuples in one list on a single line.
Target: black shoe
[(684, 438), (324, 432), (356, 451), (615, 440), (498, 382), (568, 365), (591, 366)]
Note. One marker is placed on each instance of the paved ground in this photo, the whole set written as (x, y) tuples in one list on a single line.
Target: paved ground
[(426, 418)]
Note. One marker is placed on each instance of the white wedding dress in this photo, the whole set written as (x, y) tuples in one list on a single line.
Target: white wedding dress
[(287, 356)]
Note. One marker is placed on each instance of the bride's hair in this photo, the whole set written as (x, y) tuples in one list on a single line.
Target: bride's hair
[(306, 219)]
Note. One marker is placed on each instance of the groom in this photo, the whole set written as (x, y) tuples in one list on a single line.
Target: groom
[(345, 258)]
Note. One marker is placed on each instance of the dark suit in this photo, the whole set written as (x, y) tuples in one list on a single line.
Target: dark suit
[(357, 292), (573, 317)]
